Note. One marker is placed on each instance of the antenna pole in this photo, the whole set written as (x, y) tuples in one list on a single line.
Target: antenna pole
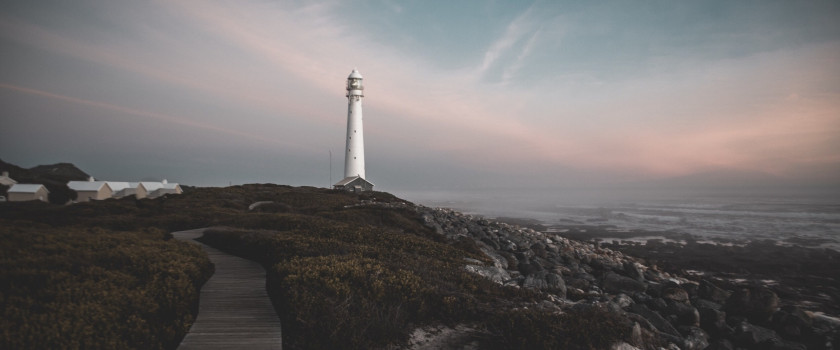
[(330, 184)]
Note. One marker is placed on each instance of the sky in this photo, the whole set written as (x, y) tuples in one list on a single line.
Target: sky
[(458, 94)]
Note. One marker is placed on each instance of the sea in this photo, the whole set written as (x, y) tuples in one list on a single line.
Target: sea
[(790, 216)]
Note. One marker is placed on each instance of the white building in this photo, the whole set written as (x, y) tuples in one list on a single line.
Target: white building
[(354, 153), (28, 192), (157, 189), (126, 189), (6, 180), (140, 191), (91, 190)]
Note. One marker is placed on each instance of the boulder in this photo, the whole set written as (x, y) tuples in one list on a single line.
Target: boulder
[(539, 250), (634, 271), (529, 267), (655, 319), (791, 322), (756, 337), (623, 301), (615, 283), (721, 344), (758, 304), (535, 281), (708, 290), (623, 346), (491, 243), (555, 282), (493, 273), (498, 260), (686, 315), (657, 304), (675, 294), (712, 318), (695, 339)]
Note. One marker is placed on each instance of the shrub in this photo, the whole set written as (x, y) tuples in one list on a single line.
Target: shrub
[(92, 288)]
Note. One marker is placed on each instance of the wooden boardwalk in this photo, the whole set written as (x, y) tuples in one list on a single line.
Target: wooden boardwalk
[(234, 310)]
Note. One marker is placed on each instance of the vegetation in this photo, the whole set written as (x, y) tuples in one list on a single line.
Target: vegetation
[(341, 274), (91, 288)]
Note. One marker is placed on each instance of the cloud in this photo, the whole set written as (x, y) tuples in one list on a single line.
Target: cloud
[(147, 115), (511, 71), (268, 71), (515, 31)]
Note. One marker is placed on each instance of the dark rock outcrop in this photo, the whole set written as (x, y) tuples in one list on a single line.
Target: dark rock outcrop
[(689, 315)]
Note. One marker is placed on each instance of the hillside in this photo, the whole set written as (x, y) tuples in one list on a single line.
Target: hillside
[(373, 271), (54, 173), (54, 177)]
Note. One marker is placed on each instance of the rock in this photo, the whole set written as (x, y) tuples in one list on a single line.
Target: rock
[(491, 243), (721, 344), (752, 336), (535, 281), (707, 290), (675, 294), (654, 289), (615, 283), (791, 322), (695, 339), (524, 255), (513, 264), (634, 271), (555, 282), (539, 250), (623, 346), (658, 304), (256, 205), (636, 336), (758, 304), (786, 345), (498, 260), (493, 273), (548, 306), (529, 267), (691, 288), (712, 319), (623, 301), (655, 319), (686, 315)]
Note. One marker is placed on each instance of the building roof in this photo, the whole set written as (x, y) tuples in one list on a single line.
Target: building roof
[(87, 185), (346, 181), (26, 188), (151, 185), (350, 179), (355, 74), (6, 180), (119, 186)]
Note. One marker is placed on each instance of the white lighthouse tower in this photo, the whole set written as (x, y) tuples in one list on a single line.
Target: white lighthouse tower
[(354, 153)]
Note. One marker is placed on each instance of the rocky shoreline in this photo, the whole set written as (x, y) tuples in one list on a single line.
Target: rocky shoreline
[(666, 309)]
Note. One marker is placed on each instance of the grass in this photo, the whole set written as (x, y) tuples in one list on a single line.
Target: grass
[(91, 288), (341, 274)]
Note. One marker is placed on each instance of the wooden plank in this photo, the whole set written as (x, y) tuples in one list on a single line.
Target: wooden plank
[(234, 310)]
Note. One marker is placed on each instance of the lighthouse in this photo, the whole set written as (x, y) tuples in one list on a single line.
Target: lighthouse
[(354, 152)]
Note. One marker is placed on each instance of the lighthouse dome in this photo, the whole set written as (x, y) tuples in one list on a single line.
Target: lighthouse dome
[(354, 75)]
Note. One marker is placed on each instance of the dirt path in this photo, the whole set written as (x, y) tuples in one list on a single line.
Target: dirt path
[(234, 309)]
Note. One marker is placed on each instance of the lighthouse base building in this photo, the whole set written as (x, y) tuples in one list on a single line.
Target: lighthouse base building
[(354, 184), (354, 152)]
